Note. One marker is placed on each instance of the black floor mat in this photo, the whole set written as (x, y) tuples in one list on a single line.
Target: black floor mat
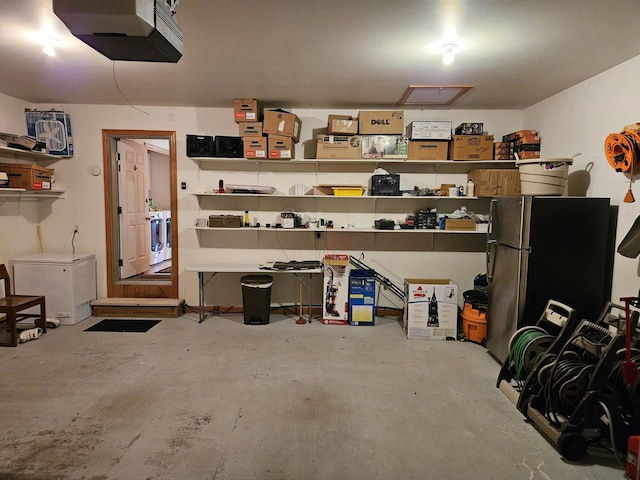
[(123, 325)]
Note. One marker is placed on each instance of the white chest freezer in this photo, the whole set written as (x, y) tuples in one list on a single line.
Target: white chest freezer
[(67, 281)]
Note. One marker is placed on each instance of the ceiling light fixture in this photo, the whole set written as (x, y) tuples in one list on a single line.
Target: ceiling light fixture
[(48, 44), (448, 56)]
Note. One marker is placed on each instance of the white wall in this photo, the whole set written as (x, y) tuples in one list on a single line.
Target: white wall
[(577, 121), (84, 202)]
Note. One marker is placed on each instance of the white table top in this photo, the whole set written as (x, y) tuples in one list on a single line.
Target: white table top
[(243, 268)]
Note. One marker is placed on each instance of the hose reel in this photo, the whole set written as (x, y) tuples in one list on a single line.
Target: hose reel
[(622, 151)]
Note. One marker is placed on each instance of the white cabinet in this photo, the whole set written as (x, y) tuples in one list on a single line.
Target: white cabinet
[(67, 281)]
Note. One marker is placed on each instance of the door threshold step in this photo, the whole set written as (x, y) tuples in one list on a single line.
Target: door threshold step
[(138, 307)]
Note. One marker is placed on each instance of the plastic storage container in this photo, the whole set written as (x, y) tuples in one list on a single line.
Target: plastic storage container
[(474, 324), (543, 176), (256, 298)]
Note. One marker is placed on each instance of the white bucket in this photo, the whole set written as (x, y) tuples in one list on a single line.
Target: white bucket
[(543, 176)]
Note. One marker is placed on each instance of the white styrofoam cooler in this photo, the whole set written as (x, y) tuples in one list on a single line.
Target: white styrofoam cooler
[(67, 281)]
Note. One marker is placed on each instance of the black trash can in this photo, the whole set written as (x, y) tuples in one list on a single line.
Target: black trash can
[(256, 298)]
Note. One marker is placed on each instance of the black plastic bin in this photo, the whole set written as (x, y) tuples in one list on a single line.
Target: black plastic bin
[(256, 298)]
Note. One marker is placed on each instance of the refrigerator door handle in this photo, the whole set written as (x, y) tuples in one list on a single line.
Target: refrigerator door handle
[(490, 259), (492, 210)]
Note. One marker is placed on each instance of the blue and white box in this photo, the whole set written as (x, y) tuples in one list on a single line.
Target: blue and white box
[(362, 298), (53, 128)]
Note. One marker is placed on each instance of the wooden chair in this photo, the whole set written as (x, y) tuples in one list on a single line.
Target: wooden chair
[(12, 305)]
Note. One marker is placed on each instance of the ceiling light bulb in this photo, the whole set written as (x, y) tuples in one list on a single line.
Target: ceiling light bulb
[(48, 42), (448, 57), (49, 50)]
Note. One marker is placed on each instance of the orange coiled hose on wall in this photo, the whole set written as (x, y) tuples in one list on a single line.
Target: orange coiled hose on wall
[(622, 150)]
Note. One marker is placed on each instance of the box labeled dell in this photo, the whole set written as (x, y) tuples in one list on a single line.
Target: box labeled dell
[(53, 128), (430, 309), (381, 122)]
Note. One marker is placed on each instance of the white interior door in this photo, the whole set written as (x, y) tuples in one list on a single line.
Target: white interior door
[(135, 230)]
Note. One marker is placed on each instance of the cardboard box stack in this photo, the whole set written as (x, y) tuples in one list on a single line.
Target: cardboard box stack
[(526, 143), (382, 133), (341, 140), (266, 133), (428, 140)]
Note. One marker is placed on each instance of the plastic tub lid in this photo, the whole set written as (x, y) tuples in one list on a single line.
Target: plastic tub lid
[(544, 160)]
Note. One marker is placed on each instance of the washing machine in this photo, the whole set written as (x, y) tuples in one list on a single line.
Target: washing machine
[(156, 221), (167, 234)]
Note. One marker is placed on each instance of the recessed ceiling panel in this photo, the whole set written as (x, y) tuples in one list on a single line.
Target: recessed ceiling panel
[(433, 94)]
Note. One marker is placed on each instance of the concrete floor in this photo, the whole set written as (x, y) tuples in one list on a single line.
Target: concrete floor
[(221, 400)]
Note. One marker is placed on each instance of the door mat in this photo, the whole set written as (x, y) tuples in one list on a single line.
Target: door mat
[(123, 325)]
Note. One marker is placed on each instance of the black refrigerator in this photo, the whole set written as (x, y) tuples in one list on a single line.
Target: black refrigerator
[(541, 248)]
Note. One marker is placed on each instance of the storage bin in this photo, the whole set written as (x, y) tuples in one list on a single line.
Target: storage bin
[(543, 176)]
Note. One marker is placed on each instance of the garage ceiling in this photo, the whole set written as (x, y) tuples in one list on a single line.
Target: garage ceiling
[(330, 54)]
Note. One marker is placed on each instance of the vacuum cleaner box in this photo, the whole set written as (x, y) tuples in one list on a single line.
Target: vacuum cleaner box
[(430, 309), (335, 310), (362, 298)]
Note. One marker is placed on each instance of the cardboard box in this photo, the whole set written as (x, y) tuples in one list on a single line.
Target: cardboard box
[(335, 309), (53, 128), (338, 146), (247, 110), (342, 125), (464, 224), (430, 309), (519, 133), (471, 147), (381, 122), (495, 182), (529, 155), (428, 150), (362, 298), (429, 130), (255, 147), (470, 129), (384, 146), (279, 122), (281, 147), (250, 129), (27, 176)]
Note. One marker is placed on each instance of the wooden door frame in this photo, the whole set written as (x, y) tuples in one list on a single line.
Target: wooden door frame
[(115, 287)]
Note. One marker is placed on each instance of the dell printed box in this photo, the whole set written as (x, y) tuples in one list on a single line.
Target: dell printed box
[(53, 128), (335, 310), (430, 309)]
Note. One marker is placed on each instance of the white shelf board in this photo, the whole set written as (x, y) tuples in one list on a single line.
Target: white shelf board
[(19, 153), (23, 193), (368, 197), (334, 230)]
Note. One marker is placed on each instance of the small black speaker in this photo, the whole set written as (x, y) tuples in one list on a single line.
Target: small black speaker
[(200, 146), (230, 147)]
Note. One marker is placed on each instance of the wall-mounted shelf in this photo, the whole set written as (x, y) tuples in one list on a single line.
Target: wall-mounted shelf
[(21, 193), (322, 165), (337, 230), (18, 153)]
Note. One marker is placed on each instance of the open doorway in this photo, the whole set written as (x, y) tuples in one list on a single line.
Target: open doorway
[(141, 213)]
